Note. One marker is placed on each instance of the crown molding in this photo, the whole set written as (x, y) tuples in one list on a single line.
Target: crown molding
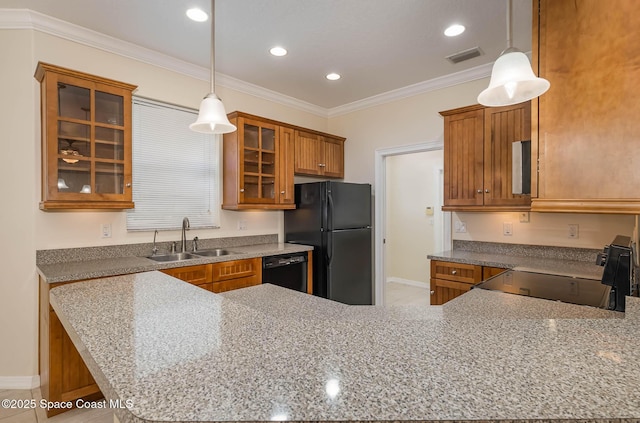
[(29, 19), (478, 72)]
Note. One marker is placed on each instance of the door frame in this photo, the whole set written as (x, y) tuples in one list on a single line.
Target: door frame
[(380, 192)]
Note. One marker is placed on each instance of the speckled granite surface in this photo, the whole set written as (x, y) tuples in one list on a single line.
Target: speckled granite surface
[(179, 353), (102, 267), (65, 255), (576, 262)]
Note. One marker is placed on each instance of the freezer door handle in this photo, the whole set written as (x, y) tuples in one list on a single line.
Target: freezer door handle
[(329, 210), (329, 248)]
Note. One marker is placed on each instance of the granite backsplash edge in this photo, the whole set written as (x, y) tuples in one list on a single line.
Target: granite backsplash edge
[(63, 255), (525, 250)]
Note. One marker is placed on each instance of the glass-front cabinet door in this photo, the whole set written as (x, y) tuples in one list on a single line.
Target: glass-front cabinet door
[(258, 162), (86, 132)]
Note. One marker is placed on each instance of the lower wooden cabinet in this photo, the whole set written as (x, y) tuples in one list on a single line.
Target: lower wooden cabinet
[(63, 374), (450, 280), (223, 276)]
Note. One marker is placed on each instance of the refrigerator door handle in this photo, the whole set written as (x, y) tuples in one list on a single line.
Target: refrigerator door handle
[(329, 248), (329, 211)]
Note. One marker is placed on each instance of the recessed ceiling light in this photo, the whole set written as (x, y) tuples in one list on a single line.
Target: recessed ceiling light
[(454, 30), (333, 76), (197, 15), (278, 51)]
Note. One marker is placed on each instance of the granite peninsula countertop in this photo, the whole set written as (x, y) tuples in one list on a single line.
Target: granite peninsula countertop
[(574, 262), (174, 352), (103, 267)]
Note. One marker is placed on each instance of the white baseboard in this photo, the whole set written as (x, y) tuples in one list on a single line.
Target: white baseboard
[(408, 282), (19, 382)]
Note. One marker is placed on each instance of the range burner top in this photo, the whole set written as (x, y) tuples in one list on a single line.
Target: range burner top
[(550, 287)]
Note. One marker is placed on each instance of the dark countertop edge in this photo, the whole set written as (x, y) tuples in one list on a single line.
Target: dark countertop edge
[(51, 273)]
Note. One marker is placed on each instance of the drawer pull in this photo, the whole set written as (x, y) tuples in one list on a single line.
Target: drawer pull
[(453, 272), (433, 292)]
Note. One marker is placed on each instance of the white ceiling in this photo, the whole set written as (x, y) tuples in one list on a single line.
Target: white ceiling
[(376, 45)]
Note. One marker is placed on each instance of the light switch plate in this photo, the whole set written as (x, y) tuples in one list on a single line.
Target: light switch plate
[(105, 230), (574, 231), (460, 226), (507, 229)]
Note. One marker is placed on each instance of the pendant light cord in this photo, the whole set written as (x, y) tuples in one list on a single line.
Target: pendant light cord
[(509, 22), (213, 45)]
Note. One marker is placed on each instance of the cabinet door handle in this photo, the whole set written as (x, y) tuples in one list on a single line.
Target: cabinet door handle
[(129, 185), (479, 191), (241, 189), (433, 292), (321, 164), (453, 272), (487, 191), (282, 192)]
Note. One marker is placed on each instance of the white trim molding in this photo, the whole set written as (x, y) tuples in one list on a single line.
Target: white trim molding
[(379, 208), (30, 19), (418, 284), (19, 382), (478, 72)]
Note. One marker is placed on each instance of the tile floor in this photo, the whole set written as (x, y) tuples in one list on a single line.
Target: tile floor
[(38, 415), (395, 294), (401, 294)]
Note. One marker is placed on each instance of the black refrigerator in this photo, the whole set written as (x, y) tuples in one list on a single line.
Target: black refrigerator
[(335, 218)]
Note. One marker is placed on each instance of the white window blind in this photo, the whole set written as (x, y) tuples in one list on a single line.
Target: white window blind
[(175, 170)]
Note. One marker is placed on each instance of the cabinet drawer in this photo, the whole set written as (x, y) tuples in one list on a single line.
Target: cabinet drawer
[(196, 275), (228, 285), (236, 269), (444, 290), (466, 273)]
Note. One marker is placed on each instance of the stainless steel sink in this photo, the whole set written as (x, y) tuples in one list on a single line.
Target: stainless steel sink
[(173, 257), (216, 252)]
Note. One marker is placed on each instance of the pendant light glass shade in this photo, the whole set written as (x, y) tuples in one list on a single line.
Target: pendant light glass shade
[(512, 78), (212, 118), (512, 81)]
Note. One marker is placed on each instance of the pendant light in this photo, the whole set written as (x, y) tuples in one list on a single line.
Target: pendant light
[(512, 79), (212, 118)]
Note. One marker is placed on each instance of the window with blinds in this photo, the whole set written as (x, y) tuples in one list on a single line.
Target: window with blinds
[(175, 170)]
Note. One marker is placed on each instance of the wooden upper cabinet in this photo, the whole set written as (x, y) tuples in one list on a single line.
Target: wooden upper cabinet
[(286, 192), (478, 157), (319, 155), (463, 156), (502, 127), (254, 168), (86, 140), (586, 127)]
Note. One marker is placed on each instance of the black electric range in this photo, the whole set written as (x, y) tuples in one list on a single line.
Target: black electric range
[(550, 287)]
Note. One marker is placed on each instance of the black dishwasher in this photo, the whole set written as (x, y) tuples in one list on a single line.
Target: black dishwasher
[(286, 270)]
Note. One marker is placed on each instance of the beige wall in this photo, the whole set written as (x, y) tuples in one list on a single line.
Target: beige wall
[(545, 228), (25, 228), (411, 234)]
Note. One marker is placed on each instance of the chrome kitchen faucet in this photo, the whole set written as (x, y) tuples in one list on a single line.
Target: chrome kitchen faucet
[(185, 226)]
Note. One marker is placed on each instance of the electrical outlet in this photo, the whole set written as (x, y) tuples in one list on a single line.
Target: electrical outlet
[(524, 217), (105, 230), (574, 231), (461, 227), (242, 225), (507, 229)]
